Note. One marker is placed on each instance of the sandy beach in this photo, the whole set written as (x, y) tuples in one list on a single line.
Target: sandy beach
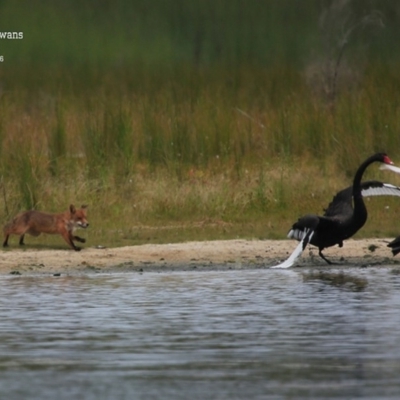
[(207, 255)]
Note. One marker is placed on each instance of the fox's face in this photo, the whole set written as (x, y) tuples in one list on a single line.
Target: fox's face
[(79, 216)]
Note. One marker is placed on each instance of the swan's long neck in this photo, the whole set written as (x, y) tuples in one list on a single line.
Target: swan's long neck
[(358, 176), (359, 206)]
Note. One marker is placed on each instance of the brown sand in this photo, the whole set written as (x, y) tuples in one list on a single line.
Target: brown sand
[(229, 254)]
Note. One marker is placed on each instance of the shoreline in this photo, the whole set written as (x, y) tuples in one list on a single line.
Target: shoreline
[(206, 255)]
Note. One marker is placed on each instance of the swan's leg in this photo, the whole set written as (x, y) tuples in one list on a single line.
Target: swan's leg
[(324, 258)]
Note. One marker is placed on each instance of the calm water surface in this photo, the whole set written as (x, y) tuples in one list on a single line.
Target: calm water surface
[(255, 334)]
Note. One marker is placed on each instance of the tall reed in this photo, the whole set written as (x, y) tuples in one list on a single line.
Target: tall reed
[(212, 152)]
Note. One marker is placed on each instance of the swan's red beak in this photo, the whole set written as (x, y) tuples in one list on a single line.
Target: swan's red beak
[(387, 160)]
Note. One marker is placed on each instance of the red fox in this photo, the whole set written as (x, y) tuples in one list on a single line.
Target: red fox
[(37, 222)]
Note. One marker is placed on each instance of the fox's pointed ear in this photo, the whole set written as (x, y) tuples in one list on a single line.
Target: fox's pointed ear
[(84, 206), (72, 209)]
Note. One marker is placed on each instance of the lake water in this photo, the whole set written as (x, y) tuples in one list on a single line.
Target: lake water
[(248, 334)]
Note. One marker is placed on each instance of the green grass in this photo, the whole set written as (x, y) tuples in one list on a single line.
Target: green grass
[(192, 120)]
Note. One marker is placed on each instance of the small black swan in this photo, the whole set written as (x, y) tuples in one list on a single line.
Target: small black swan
[(395, 245), (342, 219)]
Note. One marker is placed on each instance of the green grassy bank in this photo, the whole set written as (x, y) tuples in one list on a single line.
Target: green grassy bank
[(209, 153), (197, 120)]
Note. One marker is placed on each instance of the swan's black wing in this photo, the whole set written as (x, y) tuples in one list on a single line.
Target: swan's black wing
[(342, 203), (303, 230), (311, 222), (340, 208), (395, 245)]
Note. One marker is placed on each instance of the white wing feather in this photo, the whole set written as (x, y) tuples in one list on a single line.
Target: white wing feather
[(297, 251), (297, 234), (385, 190), (390, 167)]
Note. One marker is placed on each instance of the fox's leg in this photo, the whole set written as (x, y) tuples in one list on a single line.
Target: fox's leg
[(21, 239), (5, 243), (79, 239), (68, 238), (18, 226)]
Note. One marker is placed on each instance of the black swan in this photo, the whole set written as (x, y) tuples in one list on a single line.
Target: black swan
[(395, 245), (342, 219)]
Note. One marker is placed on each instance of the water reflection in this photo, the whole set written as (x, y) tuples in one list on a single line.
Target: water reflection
[(338, 279), (218, 334)]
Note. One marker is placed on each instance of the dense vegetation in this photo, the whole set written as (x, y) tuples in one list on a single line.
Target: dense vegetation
[(201, 119)]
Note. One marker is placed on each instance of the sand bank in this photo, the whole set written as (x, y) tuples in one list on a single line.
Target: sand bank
[(227, 254)]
